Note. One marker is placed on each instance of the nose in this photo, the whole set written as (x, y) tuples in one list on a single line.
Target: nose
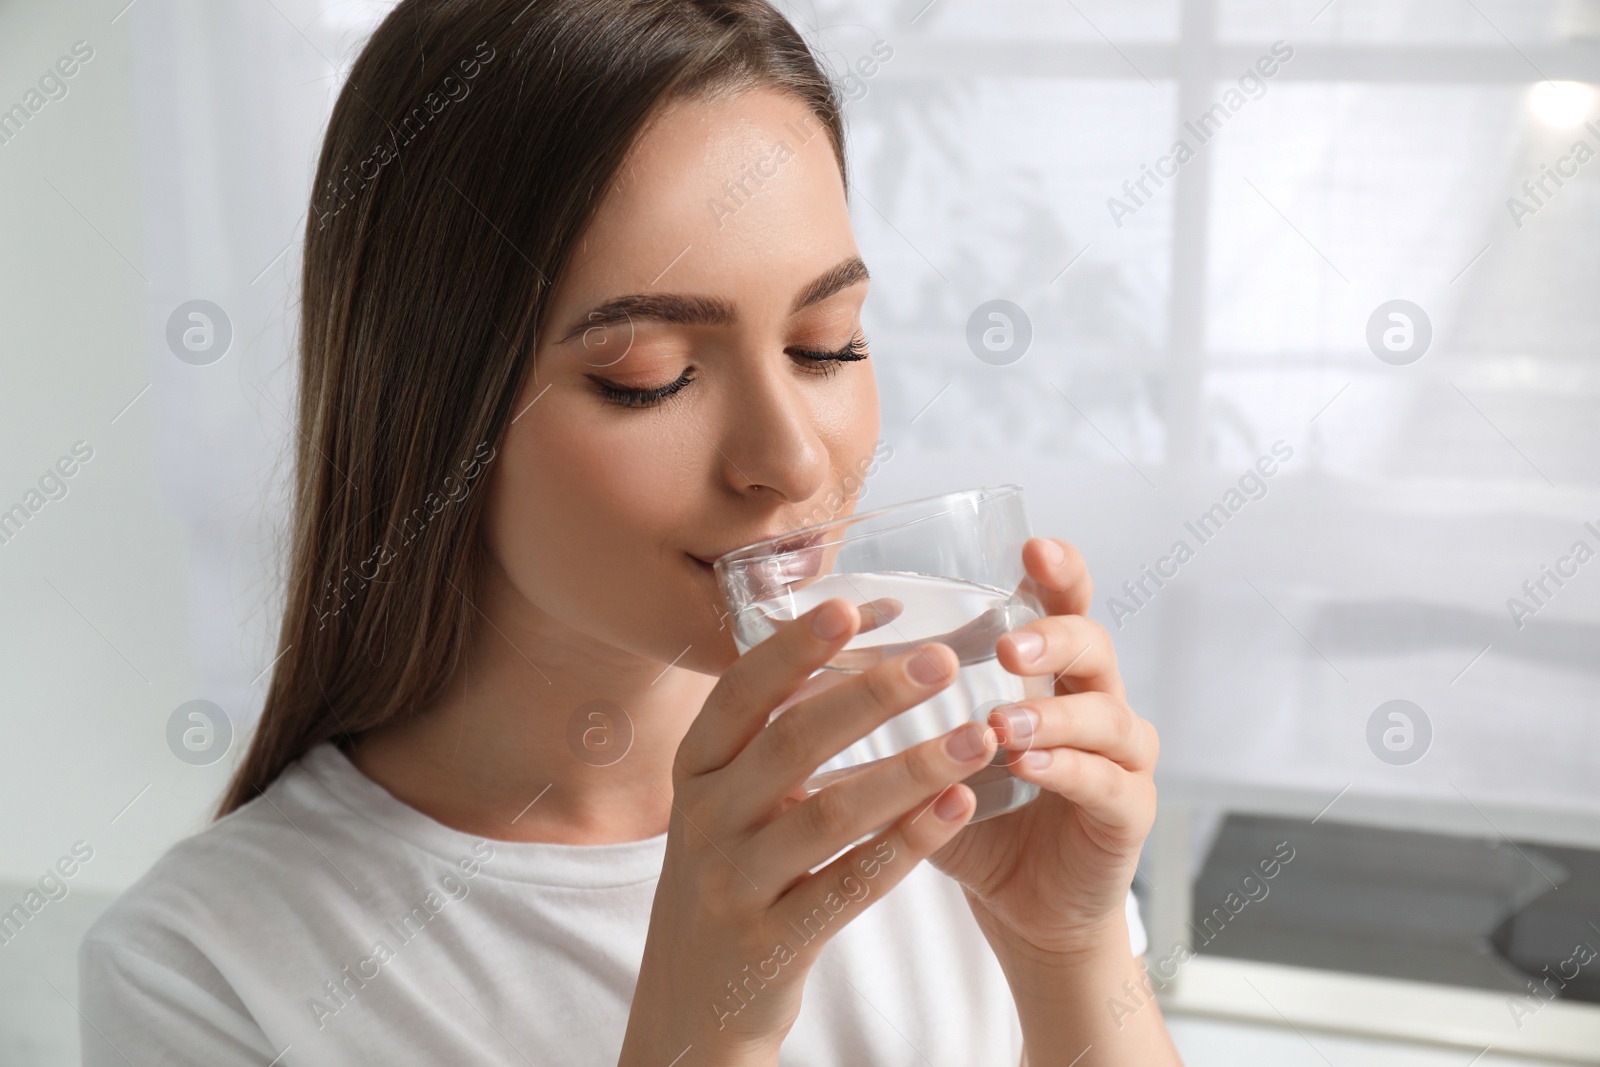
[(770, 437)]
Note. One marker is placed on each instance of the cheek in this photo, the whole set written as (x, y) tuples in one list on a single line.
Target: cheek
[(850, 422), (606, 481), (587, 522), (575, 494)]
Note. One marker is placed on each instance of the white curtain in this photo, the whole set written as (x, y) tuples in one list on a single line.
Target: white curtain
[(1172, 344)]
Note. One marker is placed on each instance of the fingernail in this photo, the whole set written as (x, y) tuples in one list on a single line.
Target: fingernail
[(1038, 759), (1020, 721), (829, 622), (965, 743), (1053, 554), (924, 670), (1028, 644)]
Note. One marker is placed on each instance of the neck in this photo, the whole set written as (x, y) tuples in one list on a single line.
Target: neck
[(530, 740)]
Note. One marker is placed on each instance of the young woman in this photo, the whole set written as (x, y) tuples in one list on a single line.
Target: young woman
[(580, 312)]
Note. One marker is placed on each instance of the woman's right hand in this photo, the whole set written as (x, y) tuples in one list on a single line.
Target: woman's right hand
[(738, 918)]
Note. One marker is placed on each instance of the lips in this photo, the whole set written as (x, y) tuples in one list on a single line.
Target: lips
[(778, 565), (776, 548), (795, 544)]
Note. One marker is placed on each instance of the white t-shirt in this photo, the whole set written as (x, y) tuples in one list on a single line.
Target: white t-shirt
[(326, 922)]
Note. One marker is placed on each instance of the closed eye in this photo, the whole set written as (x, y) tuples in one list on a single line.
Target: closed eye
[(638, 398), (824, 362), (850, 353)]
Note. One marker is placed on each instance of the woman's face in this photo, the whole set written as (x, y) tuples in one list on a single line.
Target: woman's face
[(683, 402)]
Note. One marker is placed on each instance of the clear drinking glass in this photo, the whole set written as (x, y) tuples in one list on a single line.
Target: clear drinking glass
[(945, 568)]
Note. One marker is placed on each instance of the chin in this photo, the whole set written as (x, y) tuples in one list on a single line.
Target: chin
[(712, 654), (708, 635)]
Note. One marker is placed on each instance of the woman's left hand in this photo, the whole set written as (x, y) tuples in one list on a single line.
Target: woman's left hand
[(1054, 874)]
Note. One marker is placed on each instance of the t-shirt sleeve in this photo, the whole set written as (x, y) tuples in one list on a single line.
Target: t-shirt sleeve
[(135, 1010)]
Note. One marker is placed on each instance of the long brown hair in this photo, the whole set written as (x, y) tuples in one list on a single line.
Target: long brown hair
[(466, 153)]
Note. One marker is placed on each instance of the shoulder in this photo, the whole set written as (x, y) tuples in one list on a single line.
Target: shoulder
[(236, 873), (163, 958)]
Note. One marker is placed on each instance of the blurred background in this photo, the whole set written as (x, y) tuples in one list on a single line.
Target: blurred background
[(1308, 288)]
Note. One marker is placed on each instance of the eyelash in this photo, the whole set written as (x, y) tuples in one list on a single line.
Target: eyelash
[(827, 363)]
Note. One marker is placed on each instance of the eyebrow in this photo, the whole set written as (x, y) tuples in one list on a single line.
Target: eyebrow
[(681, 310)]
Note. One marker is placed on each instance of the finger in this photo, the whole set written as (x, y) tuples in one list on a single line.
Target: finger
[(870, 798), (880, 612), (796, 743), (1093, 722), (827, 901), (1070, 648), (1120, 804), (874, 613), (748, 692), (1059, 575)]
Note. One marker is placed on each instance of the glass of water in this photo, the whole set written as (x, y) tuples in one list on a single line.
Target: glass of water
[(945, 568)]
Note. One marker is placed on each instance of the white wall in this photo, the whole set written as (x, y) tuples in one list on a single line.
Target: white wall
[(96, 634), (180, 162)]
